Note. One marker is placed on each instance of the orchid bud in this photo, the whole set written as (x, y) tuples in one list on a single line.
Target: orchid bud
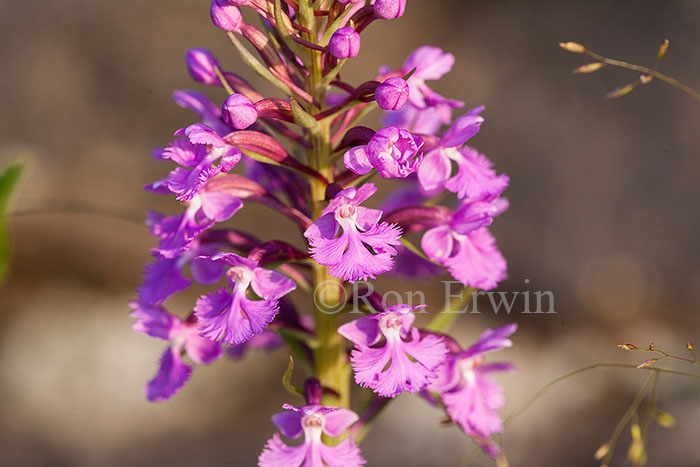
[(344, 43), (389, 9), (313, 391), (238, 112), (202, 66), (392, 94), (224, 15)]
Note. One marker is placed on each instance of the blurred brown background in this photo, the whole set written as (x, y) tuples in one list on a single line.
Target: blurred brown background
[(604, 213)]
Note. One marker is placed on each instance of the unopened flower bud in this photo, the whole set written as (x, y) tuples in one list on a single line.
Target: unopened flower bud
[(344, 43), (665, 419), (238, 112), (389, 9), (313, 391), (602, 451), (626, 346), (572, 47), (392, 94), (225, 15), (202, 66)]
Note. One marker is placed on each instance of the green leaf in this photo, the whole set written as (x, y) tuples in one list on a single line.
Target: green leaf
[(287, 380), (283, 26), (303, 118), (8, 181)]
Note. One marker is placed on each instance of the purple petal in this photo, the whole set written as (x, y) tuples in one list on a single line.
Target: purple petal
[(434, 171), (478, 263), (154, 321), (464, 128), (233, 319), (172, 374), (474, 406), (389, 370), (338, 421), (233, 260), (470, 216), (492, 339), (363, 331), (431, 63), (357, 161), (323, 227), (219, 207), (269, 284), (200, 133), (289, 423), (278, 454), (184, 153), (202, 350), (438, 243), (161, 279), (206, 272), (475, 177), (345, 454)]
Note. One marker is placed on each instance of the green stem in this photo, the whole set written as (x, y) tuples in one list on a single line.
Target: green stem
[(330, 360)]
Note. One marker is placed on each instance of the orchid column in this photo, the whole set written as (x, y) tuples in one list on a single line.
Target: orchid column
[(306, 157)]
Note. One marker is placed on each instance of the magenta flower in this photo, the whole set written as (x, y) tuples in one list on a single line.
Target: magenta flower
[(176, 233), (347, 254), (312, 421), (173, 372), (392, 151), (466, 247), (233, 317), (164, 277), (475, 177), (204, 153), (471, 397), (405, 362)]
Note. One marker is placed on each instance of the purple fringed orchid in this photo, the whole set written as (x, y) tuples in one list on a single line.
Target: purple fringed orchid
[(176, 233), (347, 254), (234, 317), (164, 277), (203, 155), (173, 372), (470, 396), (475, 177), (312, 421), (392, 151), (405, 362), (466, 247)]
